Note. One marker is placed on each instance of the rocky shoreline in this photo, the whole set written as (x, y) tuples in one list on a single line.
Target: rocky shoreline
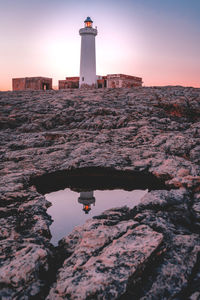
[(151, 251)]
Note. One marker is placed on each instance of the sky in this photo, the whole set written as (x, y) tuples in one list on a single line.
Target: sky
[(158, 40)]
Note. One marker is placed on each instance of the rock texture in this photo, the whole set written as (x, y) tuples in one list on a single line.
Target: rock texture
[(148, 252), (121, 253)]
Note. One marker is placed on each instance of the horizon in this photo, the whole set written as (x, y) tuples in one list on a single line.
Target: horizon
[(150, 39)]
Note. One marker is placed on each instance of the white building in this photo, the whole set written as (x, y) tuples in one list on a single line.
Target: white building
[(88, 55)]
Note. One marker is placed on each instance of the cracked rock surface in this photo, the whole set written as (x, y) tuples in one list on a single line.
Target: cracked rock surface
[(151, 251)]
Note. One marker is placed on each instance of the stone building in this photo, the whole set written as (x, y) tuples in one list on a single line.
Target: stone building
[(123, 81), (69, 83), (32, 83), (101, 81), (110, 81)]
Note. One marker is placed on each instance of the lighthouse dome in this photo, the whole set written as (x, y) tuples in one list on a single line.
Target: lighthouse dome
[(88, 20)]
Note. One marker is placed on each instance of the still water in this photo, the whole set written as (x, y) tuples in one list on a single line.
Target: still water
[(70, 208)]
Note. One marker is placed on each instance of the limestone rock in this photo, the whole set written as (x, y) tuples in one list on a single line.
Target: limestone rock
[(106, 272), (22, 272), (153, 132)]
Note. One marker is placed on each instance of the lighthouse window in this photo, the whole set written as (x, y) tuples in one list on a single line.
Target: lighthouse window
[(82, 78), (88, 24)]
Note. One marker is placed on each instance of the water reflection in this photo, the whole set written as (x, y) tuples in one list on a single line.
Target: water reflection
[(87, 198), (74, 207)]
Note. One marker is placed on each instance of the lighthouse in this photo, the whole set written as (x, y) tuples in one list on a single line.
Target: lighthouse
[(88, 55), (87, 198)]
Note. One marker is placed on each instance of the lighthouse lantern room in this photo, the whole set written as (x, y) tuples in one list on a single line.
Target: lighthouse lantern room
[(88, 22)]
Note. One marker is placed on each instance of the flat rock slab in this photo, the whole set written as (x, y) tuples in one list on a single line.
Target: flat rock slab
[(22, 272), (106, 272)]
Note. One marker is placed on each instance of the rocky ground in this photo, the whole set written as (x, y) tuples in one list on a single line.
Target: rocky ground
[(151, 251)]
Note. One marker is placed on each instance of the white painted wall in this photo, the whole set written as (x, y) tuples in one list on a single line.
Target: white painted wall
[(88, 57)]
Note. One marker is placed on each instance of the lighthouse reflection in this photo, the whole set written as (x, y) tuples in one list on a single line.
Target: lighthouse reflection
[(66, 210), (87, 199)]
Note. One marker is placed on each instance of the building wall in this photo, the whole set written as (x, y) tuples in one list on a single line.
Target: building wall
[(18, 84), (69, 83), (102, 83), (32, 83), (76, 78), (109, 81), (123, 81)]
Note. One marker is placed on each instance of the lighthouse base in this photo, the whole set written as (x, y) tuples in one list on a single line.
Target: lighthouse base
[(86, 86)]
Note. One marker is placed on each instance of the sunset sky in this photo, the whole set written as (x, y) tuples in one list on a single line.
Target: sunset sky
[(158, 40)]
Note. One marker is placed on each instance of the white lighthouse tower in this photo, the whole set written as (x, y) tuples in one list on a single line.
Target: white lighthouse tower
[(88, 55)]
